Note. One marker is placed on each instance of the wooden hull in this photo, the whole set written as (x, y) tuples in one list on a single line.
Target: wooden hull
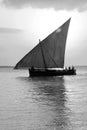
[(47, 72)]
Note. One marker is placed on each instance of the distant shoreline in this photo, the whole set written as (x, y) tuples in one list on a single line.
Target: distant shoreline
[(6, 66), (23, 68)]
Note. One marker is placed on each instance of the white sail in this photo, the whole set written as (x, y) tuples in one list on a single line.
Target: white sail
[(49, 53)]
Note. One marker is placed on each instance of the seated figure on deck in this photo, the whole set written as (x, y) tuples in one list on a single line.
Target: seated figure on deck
[(69, 68), (73, 68), (32, 68)]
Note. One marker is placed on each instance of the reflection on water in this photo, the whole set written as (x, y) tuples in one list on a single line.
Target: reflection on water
[(50, 91), (50, 94)]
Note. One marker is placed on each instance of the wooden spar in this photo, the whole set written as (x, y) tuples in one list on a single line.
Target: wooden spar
[(42, 54)]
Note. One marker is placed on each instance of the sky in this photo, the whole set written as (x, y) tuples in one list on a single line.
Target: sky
[(23, 22)]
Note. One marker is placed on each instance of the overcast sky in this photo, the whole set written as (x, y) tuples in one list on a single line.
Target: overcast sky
[(56, 4), (23, 22)]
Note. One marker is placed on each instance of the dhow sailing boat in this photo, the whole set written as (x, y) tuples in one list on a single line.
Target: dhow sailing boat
[(47, 58)]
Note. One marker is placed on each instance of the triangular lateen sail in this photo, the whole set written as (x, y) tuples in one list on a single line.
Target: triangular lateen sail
[(53, 48)]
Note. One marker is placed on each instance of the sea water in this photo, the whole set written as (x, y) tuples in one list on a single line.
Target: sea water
[(43, 103)]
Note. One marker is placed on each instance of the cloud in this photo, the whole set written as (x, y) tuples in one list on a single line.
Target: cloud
[(10, 30), (80, 5)]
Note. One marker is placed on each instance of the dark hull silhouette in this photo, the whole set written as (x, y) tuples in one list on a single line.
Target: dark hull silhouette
[(51, 72)]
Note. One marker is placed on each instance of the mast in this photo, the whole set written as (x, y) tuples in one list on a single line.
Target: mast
[(42, 54), (53, 60)]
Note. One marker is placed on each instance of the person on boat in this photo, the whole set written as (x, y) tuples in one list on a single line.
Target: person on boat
[(73, 68), (66, 68), (69, 68), (32, 68)]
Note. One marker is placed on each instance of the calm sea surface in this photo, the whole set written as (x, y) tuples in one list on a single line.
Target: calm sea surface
[(44, 103)]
